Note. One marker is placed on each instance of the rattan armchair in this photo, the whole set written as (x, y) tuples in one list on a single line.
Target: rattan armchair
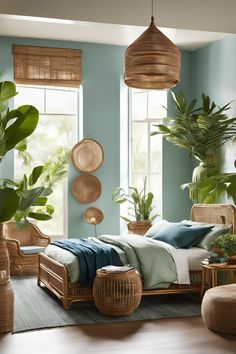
[(24, 246)]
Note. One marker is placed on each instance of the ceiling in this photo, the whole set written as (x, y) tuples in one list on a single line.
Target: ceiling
[(189, 24)]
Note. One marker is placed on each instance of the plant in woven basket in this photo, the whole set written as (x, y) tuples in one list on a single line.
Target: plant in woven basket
[(226, 243), (202, 131)]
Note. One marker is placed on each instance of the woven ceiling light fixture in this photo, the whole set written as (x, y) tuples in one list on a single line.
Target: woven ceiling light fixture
[(152, 61)]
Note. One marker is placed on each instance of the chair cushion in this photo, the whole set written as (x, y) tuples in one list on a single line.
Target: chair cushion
[(32, 249)]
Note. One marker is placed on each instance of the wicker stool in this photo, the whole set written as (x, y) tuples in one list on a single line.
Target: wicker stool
[(117, 294), (219, 308)]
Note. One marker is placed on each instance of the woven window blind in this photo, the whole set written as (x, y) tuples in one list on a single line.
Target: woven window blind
[(47, 66)]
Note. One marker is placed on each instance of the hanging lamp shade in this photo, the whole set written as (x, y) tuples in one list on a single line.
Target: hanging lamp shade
[(152, 61)]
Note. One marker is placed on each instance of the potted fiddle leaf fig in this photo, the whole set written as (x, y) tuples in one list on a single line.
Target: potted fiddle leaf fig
[(140, 207), (15, 126), (202, 131)]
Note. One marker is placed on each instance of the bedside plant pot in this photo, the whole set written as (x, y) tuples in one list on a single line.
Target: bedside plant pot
[(139, 227)]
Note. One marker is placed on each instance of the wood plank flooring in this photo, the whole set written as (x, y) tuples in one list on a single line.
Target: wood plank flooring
[(166, 336)]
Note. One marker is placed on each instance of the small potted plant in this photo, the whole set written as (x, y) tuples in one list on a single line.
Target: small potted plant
[(140, 209), (226, 244)]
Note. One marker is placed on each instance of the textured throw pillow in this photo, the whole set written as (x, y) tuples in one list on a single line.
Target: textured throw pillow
[(208, 240), (156, 228), (182, 236)]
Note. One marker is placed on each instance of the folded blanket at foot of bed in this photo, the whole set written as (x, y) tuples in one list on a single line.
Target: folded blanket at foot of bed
[(91, 256)]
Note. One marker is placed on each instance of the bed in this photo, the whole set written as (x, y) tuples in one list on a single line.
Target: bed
[(54, 275)]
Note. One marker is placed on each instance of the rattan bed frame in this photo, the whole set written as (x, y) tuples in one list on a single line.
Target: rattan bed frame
[(54, 276)]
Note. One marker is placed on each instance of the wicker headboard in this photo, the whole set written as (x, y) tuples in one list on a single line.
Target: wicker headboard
[(215, 214)]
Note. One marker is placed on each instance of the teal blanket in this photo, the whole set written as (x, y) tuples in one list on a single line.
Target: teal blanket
[(150, 257), (91, 256)]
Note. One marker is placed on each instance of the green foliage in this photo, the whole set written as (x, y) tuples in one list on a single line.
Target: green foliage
[(9, 203), (25, 199), (17, 124), (30, 198), (227, 243), (56, 168), (200, 130), (140, 201), (209, 190)]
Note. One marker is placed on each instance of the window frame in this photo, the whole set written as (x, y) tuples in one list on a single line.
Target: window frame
[(150, 122), (65, 182)]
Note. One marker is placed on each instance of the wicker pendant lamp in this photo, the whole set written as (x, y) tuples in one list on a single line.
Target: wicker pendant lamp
[(152, 61)]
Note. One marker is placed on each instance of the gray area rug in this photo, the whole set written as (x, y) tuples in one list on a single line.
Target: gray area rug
[(36, 308)]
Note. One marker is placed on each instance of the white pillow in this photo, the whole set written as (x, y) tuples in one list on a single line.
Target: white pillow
[(156, 227)]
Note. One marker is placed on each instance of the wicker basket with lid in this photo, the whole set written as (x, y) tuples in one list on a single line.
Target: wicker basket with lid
[(117, 294)]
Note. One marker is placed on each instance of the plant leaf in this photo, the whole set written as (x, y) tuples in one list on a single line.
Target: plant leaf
[(39, 216), (9, 203), (36, 173)]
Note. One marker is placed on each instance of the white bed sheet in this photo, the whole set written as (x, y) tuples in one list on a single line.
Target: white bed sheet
[(194, 256)]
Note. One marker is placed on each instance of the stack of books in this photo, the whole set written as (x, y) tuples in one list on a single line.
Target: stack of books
[(116, 269), (205, 261), (232, 260)]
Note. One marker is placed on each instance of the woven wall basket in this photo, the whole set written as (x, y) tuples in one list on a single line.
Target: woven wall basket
[(87, 155), (86, 188), (93, 216), (152, 61)]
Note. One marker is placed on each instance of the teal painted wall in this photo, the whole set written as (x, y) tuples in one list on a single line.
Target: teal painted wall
[(215, 71), (177, 166), (102, 114)]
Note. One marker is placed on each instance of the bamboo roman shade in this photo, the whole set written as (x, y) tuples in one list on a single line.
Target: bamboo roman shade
[(47, 66)]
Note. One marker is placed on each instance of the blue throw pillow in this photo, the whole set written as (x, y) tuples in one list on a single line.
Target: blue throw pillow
[(182, 236)]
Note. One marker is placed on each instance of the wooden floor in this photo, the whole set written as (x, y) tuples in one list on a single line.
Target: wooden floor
[(166, 336)]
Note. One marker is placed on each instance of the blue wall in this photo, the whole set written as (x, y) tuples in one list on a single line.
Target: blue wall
[(177, 166), (102, 113)]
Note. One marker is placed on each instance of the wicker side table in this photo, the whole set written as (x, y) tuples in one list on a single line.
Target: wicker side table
[(117, 294)]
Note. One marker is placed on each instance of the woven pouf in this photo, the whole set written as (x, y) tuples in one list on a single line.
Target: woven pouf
[(117, 294), (219, 308)]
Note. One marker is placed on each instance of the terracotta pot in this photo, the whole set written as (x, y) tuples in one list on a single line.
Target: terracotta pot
[(139, 227), (4, 256)]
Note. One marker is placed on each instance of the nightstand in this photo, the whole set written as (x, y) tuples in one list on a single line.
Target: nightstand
[(209, 273)]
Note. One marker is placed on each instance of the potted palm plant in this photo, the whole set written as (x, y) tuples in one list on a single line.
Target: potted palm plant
[(140, 207), (202, 131)]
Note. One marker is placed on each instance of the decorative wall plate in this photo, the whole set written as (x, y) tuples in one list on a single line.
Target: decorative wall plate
[(93, 216), (87, 155), (86, 188)]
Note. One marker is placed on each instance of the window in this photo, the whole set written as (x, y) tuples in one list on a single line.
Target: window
[(57, 126), (146, 109)]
